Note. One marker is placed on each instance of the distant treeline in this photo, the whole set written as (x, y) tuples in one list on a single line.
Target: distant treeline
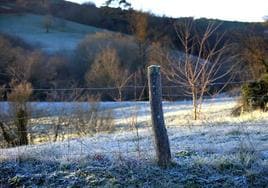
[(116, 19)]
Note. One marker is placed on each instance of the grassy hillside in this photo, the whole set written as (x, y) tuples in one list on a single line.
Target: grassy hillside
[(63, 35)]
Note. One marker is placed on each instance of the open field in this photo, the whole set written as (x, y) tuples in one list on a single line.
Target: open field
[(63, 35), (217, 150)]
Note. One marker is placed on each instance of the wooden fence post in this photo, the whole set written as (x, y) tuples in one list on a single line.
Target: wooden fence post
[(160, 133)]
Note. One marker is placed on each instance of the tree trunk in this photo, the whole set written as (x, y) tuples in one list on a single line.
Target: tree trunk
[(21, 123), (120, 93), (6, 136), (144, 92), (142, 54), (195, 106)]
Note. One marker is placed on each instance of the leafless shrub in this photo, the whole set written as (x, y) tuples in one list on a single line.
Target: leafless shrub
[(61, 125), (85, 118), (93, 120)]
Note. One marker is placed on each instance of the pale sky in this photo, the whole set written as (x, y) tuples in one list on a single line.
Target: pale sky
[(233, 10)]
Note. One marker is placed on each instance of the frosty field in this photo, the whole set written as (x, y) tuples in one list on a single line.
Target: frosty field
[(217, 150)]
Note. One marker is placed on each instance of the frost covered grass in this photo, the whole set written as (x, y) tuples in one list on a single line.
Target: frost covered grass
[(30, 28), (217, 150)]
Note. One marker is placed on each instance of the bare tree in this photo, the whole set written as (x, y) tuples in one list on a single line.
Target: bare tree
[(92, 45), (47, 22), (139, 26), (15, 131), (19, 96), (200, 65), (106, 71), (25, 66)]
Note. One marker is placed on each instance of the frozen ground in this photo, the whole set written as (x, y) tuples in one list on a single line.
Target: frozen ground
[(63, 35), (216, 150)]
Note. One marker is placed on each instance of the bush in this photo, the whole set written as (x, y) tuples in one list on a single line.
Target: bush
[(255, 94), (14, 132)]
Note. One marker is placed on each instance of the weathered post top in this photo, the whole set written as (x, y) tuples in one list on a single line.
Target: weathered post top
[(154, 68)]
